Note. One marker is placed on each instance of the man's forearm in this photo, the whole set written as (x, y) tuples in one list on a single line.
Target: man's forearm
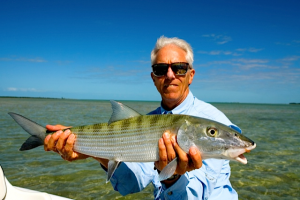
[(102, 161)]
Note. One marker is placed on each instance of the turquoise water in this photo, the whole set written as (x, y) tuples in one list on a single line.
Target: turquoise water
[(272, 171)]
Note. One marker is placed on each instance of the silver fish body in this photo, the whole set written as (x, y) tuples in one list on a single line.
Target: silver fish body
[(131, 137), (136, 139)]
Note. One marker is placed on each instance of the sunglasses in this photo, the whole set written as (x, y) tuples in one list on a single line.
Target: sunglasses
[(161, 69)]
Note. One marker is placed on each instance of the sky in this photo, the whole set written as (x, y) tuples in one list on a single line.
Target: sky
[(244, 51)]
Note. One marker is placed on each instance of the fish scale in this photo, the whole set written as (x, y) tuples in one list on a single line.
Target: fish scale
[(135, 136)]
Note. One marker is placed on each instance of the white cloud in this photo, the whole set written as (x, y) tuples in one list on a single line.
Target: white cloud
[(22, 59), (237, 52), (254, 65), (208, 64), (219, 52), (282, 43), (5, 59), (273, 76), (265, 76), (243, 64), (294, 42), (219, 39), (289, 59), (254, 50), (251, 49), (13, 89), (31, 60), (243, 60)]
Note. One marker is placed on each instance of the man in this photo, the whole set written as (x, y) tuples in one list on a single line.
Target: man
[(172, 73)]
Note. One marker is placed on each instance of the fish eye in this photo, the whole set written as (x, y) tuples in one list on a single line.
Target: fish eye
[(212, 131)]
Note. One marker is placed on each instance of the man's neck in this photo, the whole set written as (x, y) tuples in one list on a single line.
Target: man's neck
[(168, 104), (168, 107)]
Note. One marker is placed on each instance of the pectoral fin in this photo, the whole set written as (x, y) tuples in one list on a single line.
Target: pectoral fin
[(168, 170), (112, 166)]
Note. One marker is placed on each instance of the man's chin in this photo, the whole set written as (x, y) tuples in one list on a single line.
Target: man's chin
[(170, 97), (171, 90), (173, 95)]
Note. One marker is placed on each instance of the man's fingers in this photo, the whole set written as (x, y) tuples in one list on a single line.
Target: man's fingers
[(62, 140), (69, 145), (53, 140), (51, 127), (182, 158), (46, 141), (196, 157), (169, 147), (163, 157), (63, 143), (56, 127)]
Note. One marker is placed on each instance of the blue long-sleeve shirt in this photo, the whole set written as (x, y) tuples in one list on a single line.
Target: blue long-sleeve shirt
[(211, 181)]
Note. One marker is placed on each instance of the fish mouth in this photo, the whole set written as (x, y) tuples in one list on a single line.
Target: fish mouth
[(238, 154), (242, 159)]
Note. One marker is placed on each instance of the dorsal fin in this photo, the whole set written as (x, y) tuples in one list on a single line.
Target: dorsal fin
[(121, 111)]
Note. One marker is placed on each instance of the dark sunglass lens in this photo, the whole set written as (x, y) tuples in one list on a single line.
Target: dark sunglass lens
[(180, 68), (181, 72), (160, 69)]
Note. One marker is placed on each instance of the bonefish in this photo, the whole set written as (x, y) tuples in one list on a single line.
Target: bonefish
[(132, 137)]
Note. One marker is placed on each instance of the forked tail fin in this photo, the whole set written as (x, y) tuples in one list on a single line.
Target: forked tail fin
[(37, 132)]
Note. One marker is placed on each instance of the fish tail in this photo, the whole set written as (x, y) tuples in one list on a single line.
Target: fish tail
[(37, 132)]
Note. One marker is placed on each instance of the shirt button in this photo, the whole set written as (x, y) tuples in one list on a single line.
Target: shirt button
[(170, 193)]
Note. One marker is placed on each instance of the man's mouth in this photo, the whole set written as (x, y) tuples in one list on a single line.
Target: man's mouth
[(169, 85)]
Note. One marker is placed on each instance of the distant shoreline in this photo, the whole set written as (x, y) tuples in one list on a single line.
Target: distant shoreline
[(30, 97), (62, 98)]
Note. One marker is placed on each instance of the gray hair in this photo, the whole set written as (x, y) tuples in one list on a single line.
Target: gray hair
[(164, 41)]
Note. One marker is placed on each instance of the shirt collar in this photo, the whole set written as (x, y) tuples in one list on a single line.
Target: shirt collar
[(180, 108)]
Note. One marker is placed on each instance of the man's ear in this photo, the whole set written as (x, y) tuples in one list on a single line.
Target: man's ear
[(192, 73), (152, 76)]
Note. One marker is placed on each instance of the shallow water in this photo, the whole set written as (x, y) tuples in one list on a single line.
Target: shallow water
[(272, 171)]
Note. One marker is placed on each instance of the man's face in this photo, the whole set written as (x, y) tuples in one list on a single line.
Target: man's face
[(173, 89)]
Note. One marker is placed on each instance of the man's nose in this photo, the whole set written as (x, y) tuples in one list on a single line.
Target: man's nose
[(170, 73)]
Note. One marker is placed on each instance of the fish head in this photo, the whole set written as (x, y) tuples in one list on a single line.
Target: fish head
[(214, 140)]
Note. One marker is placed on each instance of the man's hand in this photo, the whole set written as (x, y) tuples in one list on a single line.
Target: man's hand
[(169, 148), (62, 143)]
